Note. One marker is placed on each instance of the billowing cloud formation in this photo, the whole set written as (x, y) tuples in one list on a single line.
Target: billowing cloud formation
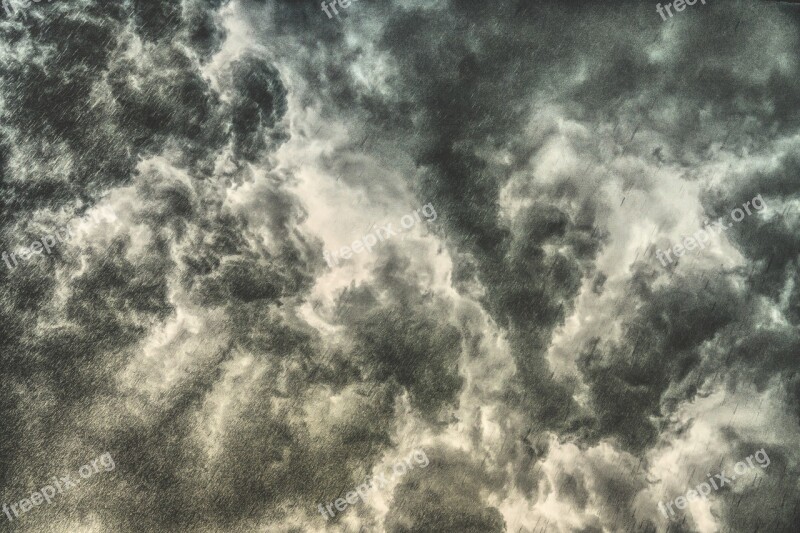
[(204, 153)]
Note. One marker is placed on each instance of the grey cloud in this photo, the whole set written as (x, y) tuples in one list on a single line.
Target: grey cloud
[(444, 496), (191, 337)]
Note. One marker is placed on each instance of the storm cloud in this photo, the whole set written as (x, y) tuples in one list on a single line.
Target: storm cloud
[(205, 153)]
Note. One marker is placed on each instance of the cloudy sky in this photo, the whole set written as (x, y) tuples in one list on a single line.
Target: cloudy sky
[(527, 331)]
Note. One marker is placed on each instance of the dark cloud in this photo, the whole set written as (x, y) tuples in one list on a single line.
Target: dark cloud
[(192, 329), (259, 102), (403, 341), (445, 496)]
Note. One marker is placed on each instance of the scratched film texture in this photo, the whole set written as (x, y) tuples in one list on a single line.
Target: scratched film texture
[(206, 153)]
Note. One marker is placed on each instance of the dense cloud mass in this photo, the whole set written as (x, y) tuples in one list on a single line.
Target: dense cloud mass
[(191, 171)]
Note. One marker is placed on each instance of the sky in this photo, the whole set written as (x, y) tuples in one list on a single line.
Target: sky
[(552, 247)]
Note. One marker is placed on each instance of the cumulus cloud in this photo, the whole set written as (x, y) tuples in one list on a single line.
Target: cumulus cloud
[(204, 153)]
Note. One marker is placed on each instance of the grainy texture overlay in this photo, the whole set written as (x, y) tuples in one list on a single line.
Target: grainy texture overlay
[(399, 266)]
